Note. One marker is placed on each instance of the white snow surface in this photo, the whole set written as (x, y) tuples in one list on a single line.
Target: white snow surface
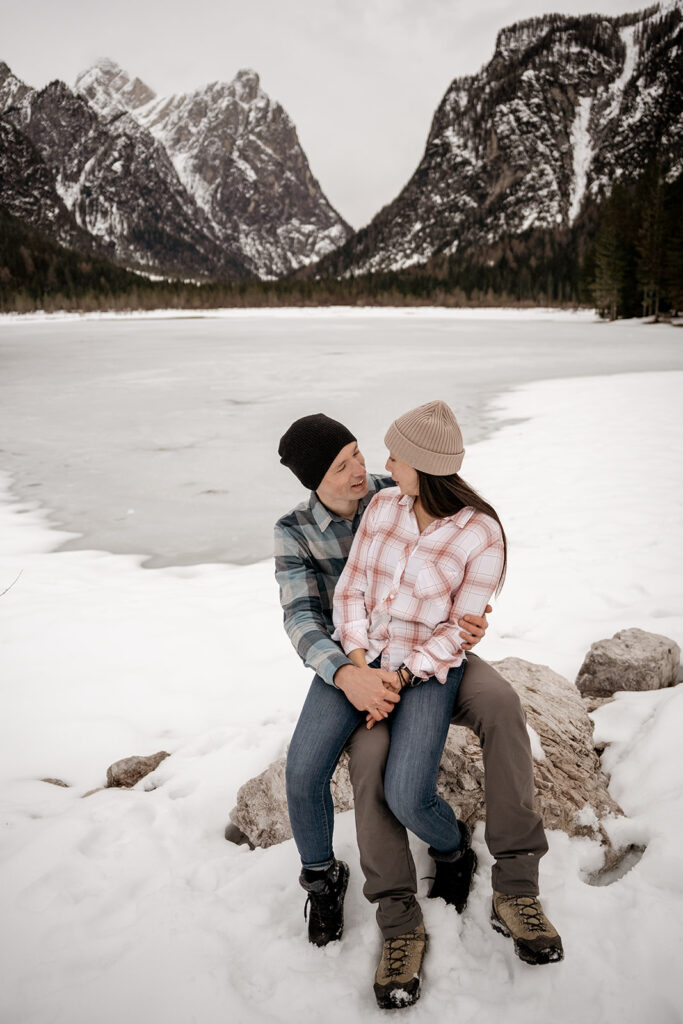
[(537, 751), (130, 905), (534, 313), (583, 155)]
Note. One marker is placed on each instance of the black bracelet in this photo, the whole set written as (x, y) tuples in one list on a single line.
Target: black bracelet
[(409, 678)]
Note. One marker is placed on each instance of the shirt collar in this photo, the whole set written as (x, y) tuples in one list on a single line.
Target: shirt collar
[(324, 517), (460, 518)]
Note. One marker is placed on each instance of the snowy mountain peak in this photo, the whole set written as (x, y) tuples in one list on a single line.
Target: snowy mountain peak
[(208, 183), (247, 85), (237, 154), (12, 90), (110, 89)]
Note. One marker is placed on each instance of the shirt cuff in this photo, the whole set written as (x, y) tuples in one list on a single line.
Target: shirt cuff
[(332, 662), (419, 664), (422, 665)]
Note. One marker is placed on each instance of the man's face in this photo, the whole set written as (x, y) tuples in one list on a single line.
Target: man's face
[(346, 478)]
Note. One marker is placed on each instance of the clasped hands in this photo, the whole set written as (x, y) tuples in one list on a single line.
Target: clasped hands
[(376, 690)]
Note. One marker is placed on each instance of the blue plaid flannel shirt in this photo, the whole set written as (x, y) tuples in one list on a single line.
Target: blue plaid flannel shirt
[(311, 548)]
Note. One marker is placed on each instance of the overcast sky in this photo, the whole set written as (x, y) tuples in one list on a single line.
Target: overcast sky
[(361, 79)]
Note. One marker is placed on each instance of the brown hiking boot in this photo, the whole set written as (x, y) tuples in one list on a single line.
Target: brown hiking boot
[(397, 981), (522, 919)]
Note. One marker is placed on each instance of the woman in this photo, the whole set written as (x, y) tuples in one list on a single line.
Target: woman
[(425, 554)]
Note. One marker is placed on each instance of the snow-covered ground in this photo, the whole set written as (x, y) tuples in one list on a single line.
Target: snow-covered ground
[(535, 313), (130, 905)]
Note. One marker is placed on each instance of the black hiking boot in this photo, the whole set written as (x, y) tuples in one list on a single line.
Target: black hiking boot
[(454, 875), (326, 891)]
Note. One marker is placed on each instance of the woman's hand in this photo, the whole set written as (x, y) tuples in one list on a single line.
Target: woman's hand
[(473, 628), (393, 682)]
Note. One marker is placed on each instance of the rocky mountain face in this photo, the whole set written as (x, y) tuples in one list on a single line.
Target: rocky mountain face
[(566, 106), (116, 181), (213, 184), (237, 153), (27, 191)]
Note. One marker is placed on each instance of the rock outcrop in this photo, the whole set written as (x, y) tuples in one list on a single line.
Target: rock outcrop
[(632, 660), (571, 789)]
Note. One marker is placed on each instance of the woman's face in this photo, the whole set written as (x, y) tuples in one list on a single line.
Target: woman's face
[(404, 475)]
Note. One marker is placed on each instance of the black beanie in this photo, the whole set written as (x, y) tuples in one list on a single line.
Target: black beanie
[(311, 445)]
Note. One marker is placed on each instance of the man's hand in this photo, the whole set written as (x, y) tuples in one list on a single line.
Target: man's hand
[(365, 688), (473, 628), (392, 681)]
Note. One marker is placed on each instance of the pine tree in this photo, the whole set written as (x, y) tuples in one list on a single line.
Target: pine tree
[(650, 243), (610, 270)]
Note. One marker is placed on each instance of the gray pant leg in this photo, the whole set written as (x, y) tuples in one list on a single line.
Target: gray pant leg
[(385, 857), (489, 705)]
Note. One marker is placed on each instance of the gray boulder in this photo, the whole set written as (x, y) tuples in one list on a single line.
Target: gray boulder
[(631, 660), (129, 770), (571, 789)]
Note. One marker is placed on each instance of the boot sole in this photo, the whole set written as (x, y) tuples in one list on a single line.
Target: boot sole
[(401, 995), (535, 957), (337, 937)]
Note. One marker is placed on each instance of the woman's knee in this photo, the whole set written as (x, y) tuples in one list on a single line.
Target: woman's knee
[(405, 798)]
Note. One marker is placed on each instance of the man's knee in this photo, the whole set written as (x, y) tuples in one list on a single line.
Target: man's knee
[(301, 777), (368, 750), (487, 701)]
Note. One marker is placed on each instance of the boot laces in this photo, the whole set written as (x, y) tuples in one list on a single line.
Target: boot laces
[(396, 953), (323, 906), (530, 911)]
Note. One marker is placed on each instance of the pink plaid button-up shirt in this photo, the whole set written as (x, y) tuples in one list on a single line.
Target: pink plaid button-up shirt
[(402, 592)]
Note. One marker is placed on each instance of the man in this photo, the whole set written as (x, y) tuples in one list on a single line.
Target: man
[(312, 543)]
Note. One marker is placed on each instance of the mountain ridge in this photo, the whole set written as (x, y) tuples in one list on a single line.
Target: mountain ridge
[(566, 106)]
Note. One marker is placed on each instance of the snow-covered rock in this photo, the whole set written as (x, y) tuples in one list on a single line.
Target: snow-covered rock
[(130, 770)]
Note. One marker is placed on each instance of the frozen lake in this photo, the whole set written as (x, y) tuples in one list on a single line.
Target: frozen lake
[(159, 436)]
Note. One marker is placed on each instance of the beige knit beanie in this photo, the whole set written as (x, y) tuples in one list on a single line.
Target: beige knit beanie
[(427, 438)]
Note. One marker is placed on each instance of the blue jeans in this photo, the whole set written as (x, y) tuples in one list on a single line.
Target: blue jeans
[(419, 726)]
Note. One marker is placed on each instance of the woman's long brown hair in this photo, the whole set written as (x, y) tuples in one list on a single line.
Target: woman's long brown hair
[(443, 496)]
